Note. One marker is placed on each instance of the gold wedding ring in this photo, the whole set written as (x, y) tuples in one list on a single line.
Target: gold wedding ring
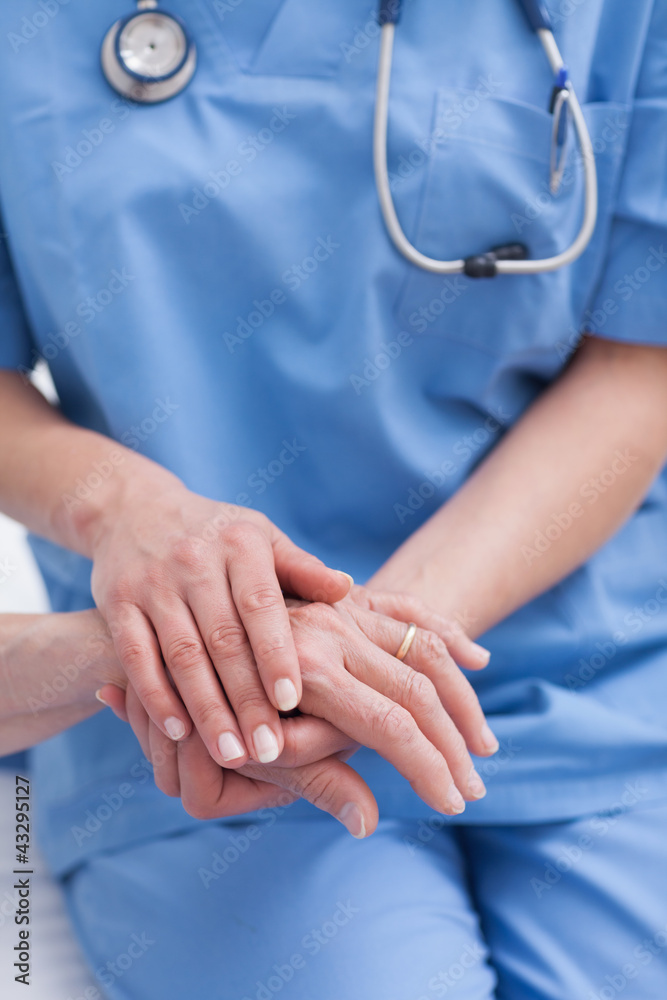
[(404, 648)]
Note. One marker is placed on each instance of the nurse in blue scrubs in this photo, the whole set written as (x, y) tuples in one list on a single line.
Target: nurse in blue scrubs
[(236, 341)]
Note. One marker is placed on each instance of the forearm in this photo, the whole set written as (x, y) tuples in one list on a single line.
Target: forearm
[(61, 480), (559, 484), (50, 668)]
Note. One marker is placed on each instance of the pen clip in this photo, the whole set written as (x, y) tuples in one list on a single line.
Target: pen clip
[(560, 109)]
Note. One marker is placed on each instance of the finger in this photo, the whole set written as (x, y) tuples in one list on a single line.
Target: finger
[(164, 757), (139, 719), (256, 595), (308, 740), (197, 683), (211, 792), (417, 694), (304, 575), (114, 698), (430, 656), (375, 721), (407, 608), (331, 786), (233, 660), (139, 653)]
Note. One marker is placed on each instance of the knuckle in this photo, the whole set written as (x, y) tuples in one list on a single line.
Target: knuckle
[(267, 648), (260, 598), (133, 655), (240, 536), (250, 699), (228, 639), (190, 553), (183, 653), (396, 725), (151, 696), (419, 692), (433, 648), (208, 715)]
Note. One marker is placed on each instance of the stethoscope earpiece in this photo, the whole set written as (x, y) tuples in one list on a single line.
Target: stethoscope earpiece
[(148, 56)]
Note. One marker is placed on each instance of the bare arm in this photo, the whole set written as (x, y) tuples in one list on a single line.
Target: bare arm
[(50, 668), (559, 484)]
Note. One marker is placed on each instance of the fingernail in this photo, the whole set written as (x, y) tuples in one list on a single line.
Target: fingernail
[(476, 786), (100, 698), (347, 577), (266, 744), (455, 801), (352, 819), (174, 727), (285, 695), (483, 655), (229, 747), (488, 739)]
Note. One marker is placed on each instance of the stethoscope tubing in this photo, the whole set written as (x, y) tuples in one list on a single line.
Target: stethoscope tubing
[(389, 15), (385, 196)]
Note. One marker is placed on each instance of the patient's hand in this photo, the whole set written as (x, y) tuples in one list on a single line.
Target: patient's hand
[(419, 715)]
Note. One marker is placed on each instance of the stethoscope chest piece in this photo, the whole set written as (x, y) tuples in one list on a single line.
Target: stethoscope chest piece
[(148, 56)]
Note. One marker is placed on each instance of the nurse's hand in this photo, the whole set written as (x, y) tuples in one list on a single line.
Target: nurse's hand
[(352, 682), (195, 585)]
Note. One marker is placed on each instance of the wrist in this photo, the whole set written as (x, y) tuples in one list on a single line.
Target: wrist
[(398, 577), (119, 481), (57, 661), (51, 665)]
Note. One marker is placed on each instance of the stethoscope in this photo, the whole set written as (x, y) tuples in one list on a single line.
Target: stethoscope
[(149, 57)]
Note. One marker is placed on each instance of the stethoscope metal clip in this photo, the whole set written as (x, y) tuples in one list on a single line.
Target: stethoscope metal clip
[(148, 57)]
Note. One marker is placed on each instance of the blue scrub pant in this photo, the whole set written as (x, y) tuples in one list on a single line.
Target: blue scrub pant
[(297, 909)]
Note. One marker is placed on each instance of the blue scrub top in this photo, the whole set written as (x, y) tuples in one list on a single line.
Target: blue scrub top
[(210, 282)]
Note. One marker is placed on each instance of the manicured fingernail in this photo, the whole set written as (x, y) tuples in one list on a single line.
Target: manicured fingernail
[(285, 695), (483, 655), (175, 728), (266, 744), (347, 577), (229, 747), (352, 819), (455, 801), (476, 786), (488, 739), (100, 698)]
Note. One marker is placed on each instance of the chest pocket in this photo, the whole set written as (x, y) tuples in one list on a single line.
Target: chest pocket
[(297, 38), (481, 179)]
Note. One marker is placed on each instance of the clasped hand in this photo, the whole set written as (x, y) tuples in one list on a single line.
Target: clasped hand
[(422, 715)]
